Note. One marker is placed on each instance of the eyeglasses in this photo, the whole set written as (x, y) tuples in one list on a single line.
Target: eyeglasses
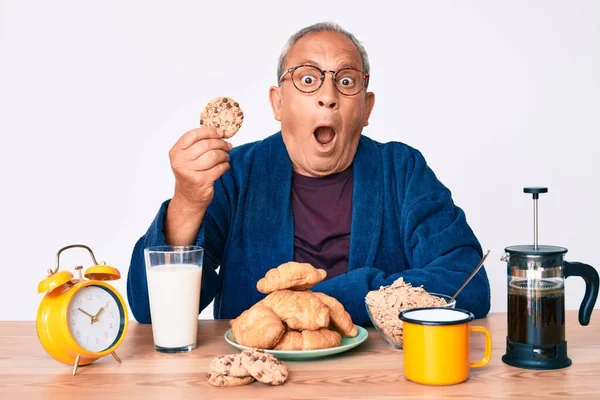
[(309, 79)]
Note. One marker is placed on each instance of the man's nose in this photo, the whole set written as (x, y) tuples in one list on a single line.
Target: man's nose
[(328, 94)]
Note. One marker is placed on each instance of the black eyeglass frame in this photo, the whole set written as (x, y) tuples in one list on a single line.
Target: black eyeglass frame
[(333, 76)]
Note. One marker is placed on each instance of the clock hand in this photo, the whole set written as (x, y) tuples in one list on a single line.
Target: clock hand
[(95, 317), (88, 314)]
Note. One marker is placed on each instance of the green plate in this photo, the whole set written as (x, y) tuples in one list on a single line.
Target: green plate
[(347, 344)]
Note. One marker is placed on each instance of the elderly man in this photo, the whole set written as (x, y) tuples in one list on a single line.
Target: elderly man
[(318, 191)]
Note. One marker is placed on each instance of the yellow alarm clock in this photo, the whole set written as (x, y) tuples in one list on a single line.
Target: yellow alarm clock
[(80, 320)]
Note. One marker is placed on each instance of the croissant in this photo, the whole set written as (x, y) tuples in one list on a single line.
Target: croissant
[(291, 275), (291, 340), (299, 310), (340, 319), (321, 339), (309, 340), (258, 327)]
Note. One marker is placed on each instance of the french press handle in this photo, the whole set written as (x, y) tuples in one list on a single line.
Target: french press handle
[(590, 276)]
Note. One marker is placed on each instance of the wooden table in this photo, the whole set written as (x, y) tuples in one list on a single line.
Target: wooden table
[(371, 371)]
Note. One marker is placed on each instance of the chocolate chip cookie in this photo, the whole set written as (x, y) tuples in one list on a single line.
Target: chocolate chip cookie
[(222, 380), (230, 365), (223, 113), (264, 367)]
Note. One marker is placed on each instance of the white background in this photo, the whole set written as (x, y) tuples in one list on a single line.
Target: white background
[(497, 96)]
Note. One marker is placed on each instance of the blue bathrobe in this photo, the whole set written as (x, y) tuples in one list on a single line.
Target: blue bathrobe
[(404, 224)]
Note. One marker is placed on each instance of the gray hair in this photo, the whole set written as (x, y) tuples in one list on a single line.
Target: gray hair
[(321, 27)]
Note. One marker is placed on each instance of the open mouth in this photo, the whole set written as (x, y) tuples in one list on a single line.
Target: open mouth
[(324, 135)]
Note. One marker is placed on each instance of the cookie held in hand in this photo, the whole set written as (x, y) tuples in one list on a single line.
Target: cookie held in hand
[(223, 113), (291, 275)]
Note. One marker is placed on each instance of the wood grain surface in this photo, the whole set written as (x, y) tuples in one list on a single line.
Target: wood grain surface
[(373, 370)]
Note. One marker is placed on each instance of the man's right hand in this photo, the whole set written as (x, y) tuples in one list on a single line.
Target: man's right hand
[(198, 159)]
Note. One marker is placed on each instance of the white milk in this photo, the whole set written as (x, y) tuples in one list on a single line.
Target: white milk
[(174, 293)]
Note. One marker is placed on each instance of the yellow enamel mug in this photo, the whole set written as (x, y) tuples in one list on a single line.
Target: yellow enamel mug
[(436, 345)]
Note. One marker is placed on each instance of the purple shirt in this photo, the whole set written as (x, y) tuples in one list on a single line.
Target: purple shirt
[(322, 209)]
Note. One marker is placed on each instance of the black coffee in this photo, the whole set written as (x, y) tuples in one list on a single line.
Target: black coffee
[(536, 314)]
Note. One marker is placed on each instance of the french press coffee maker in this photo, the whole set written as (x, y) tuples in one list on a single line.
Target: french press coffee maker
[(536, 300)]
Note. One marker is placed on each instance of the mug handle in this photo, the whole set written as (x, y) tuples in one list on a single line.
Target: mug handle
[(488, 347)]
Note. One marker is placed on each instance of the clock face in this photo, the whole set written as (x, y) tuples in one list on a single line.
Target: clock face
[(95, 318)]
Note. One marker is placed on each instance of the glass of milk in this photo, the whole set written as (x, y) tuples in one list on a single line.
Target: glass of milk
[(174, 277)]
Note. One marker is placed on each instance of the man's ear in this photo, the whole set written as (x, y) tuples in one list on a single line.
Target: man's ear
[(275, 99), (369, 103)]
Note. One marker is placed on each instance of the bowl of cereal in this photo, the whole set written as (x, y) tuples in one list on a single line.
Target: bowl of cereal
[(384, 307)]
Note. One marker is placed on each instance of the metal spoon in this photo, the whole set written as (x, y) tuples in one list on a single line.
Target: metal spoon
[(470, 276)]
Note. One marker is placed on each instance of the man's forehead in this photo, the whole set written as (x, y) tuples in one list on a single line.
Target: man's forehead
[(322, 48)]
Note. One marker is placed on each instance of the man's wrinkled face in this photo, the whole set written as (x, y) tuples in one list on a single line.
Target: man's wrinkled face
[(321, 130)]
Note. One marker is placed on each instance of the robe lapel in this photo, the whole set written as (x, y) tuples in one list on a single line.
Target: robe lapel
[(268, 215), (367, 206)]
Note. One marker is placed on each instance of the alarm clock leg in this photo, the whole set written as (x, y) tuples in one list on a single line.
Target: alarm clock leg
[(76, 365), (114, 354)]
